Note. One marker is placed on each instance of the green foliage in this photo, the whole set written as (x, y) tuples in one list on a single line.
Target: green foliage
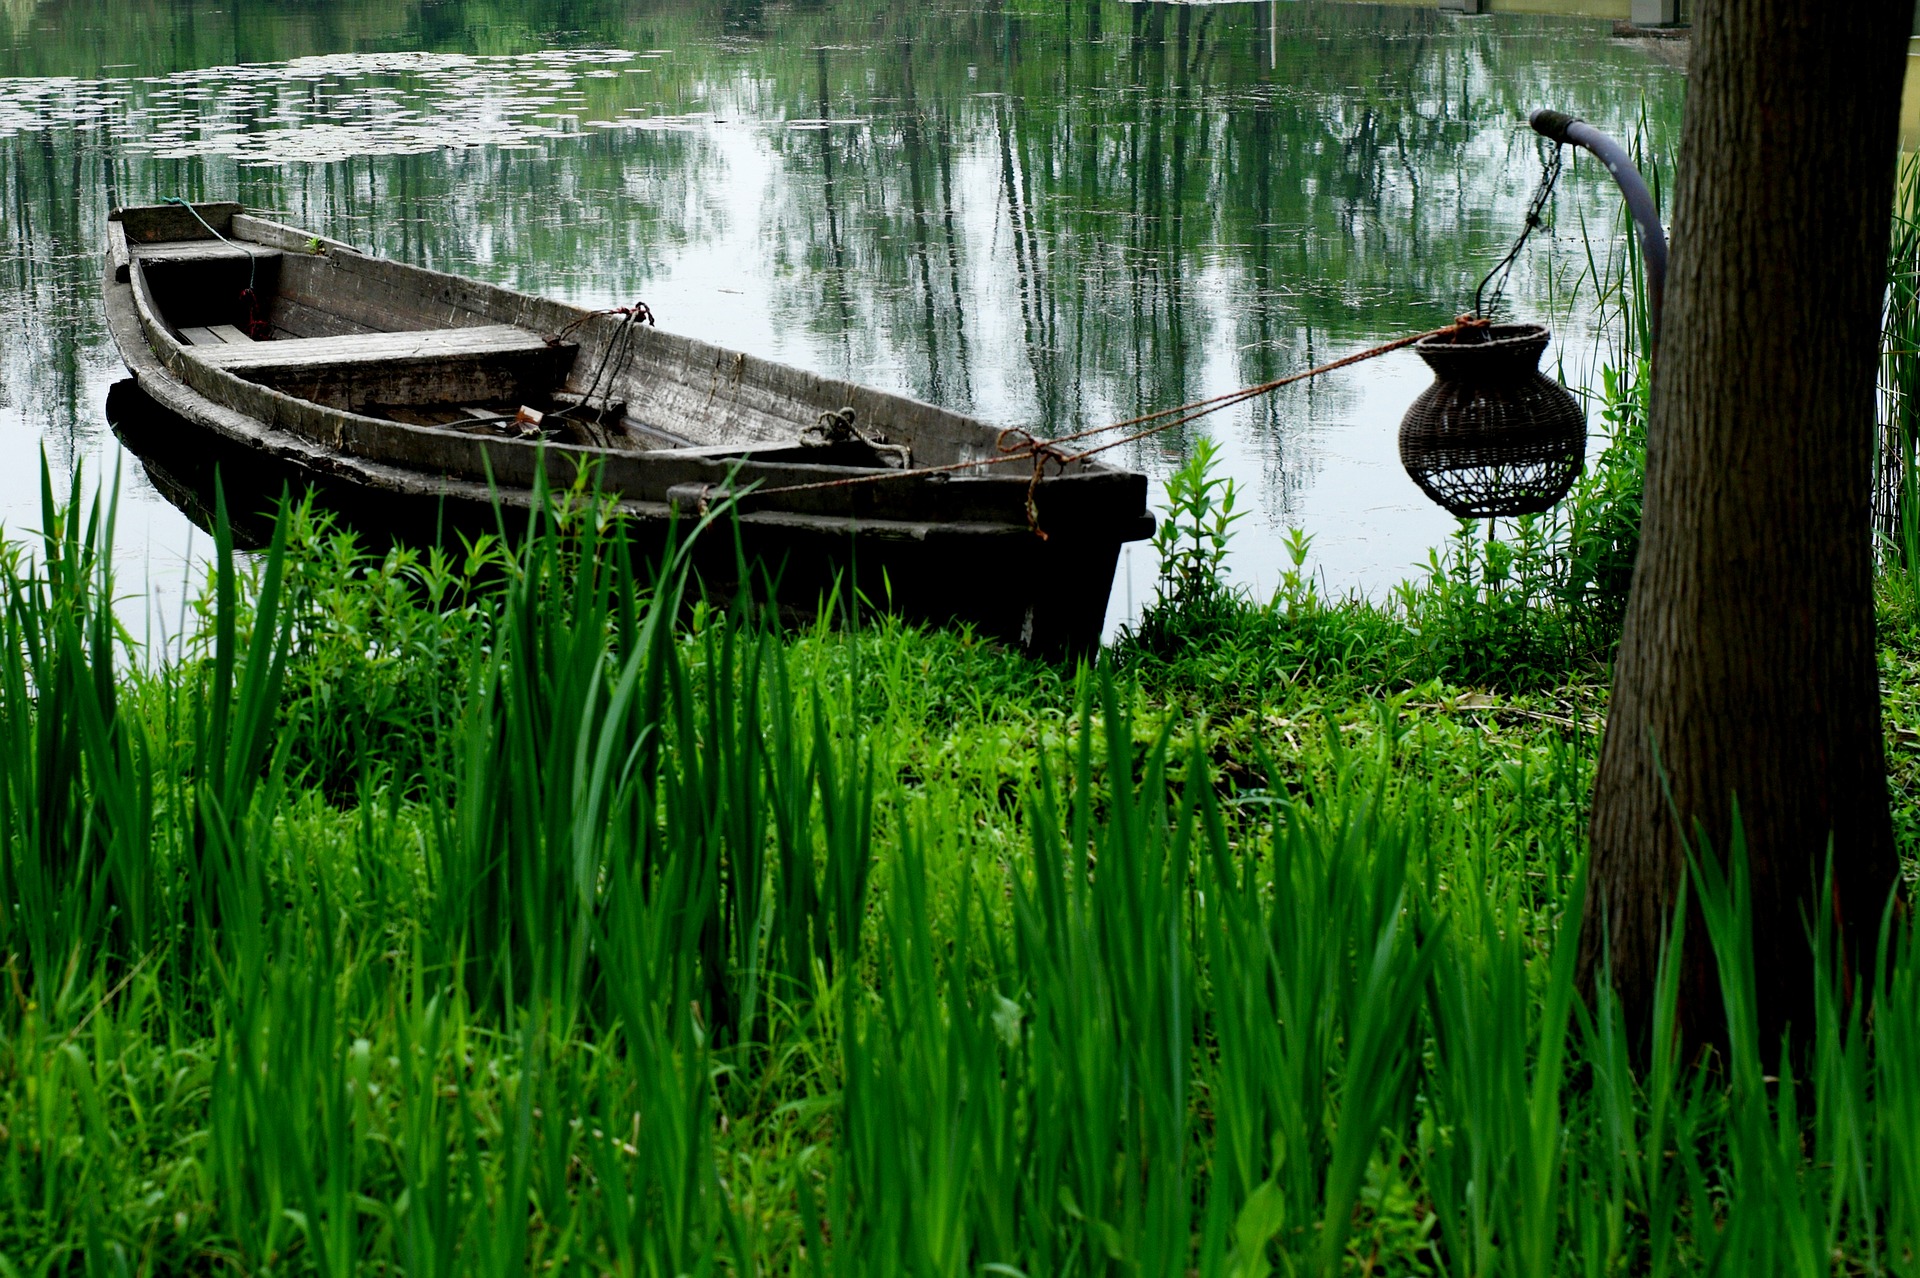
[(378, 651), (1487, 611), (1192, 539), (1602, 514), (1527, 608), (1191, 542), (1899, 635), (1897, 455), (700, 948)]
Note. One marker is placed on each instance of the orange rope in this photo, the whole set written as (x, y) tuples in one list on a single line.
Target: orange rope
[(1041, 451), (1228, 400)]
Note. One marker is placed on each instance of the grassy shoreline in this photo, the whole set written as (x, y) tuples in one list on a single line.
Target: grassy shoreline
[(438, 917)]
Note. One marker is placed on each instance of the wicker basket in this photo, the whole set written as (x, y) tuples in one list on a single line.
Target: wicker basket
[(1493, 435)]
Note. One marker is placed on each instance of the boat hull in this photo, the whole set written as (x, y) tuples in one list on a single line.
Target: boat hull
[(1049, 601), (966, 552)]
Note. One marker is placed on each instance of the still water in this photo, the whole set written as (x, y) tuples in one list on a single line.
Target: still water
[(1050, 213)]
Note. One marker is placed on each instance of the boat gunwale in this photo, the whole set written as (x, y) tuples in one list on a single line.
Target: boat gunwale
[(244, 431), (1046, 595), (339, 434)]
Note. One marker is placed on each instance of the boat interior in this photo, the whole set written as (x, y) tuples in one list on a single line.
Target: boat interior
[(289, 311)]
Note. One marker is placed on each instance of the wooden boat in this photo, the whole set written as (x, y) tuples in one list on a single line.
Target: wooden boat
[(417, 400)]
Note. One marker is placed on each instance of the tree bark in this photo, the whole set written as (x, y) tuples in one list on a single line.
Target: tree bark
[(1746, 673)]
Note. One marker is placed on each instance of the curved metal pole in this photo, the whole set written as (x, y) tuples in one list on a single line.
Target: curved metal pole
[(1565, 128)]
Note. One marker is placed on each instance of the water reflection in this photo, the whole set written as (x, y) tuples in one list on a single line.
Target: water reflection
[(1052, 214)]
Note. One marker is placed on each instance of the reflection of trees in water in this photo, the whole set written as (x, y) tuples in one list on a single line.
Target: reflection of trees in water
[(612, 207), (1059, 212), (15, 15), (49, 262), (1256, 179), (926, 142)]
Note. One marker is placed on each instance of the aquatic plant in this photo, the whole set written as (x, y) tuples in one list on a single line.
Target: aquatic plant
[(1897, 456), (1191, 540), (700, 947)]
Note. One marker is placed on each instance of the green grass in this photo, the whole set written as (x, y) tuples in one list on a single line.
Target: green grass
[(516, 911), (1526, 605), (576, 927), (1897, 455)]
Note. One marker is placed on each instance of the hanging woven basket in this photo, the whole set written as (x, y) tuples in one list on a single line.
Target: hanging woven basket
[(1493, 435)]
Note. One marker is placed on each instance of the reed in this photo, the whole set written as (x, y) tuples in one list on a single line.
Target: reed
[(1897, 455), (673, 944)]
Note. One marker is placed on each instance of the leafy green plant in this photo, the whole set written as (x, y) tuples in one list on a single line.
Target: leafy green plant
[(1602, 515), (1486, 609), (1298, 591), (1897, 455), (705, 948), (1192, 539), (375, 670)]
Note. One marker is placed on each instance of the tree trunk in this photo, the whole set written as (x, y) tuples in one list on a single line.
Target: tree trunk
[(1746, 673)]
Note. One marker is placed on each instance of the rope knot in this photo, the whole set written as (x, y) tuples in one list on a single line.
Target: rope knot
[(840, 426), (1017, 441), (639, 311), (830, 428)]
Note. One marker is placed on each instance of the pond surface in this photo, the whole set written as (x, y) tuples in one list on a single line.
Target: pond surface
[(1050, 213)]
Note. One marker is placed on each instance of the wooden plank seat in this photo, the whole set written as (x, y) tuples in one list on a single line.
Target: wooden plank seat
[(484, 363), (215, 335), (202, 251), (482, 342)]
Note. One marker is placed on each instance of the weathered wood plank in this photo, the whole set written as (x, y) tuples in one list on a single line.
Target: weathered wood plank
[(495, 362), (230, 334), (645, 437), (148, 223), (299, 320), (730, 452), (356, 387), (201, 251), (281, 236), (117, 252), (453, 344), (320, 286)]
